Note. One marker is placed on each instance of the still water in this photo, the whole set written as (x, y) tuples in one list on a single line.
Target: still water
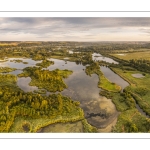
[(113, 77), (81, 87), (20, 65), (97, 56)]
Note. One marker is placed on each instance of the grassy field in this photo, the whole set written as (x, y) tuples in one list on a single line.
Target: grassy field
[(105, 84), (139, 87), (7, 44), (132, 121), (119, 102), (143, 82), (130, 50), (36, 124), (133, 55)]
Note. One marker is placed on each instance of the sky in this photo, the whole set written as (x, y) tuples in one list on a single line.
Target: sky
[(74, 29)]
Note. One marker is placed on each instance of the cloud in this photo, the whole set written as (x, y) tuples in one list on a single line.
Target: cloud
[(74, 28)]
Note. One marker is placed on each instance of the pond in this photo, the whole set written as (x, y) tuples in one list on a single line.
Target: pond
[(99, 110), (141, 111), (137, 75), (10, 63), (97, 56), (113, 77), (71, 52)]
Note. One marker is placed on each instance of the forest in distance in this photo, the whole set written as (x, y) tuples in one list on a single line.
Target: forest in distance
[(83, 87)]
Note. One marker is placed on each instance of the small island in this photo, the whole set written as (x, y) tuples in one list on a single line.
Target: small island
[(49, 80), (45, 63)]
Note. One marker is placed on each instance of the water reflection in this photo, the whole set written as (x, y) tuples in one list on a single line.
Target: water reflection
[(23, 83), (16, 72), (71, 52), (97, 56), (80, 87), (20, 65), (141, 111), (113, 77), (137, 75)]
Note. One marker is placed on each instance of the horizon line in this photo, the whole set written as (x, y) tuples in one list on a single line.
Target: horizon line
[(71, 41)]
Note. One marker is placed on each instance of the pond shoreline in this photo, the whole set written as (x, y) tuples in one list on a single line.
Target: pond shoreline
[(120, 76), (76, 83), (108, 128)]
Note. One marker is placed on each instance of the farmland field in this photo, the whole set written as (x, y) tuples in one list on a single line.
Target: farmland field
[(133, 55)]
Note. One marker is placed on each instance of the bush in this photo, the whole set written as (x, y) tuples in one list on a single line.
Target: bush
[(26, 126)]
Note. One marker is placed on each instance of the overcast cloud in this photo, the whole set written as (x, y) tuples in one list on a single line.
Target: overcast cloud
[(74, 29)]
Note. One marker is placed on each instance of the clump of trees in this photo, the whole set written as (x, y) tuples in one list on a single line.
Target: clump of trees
[(88, 128), (128, 99), (132, 121), (141, 91), (49, 80), (140, 64), (7, 79), (16, 60), (16, 103), (45, 63), (93, 68), (103, 83), (107, 94), (138, 93), (6, 69)]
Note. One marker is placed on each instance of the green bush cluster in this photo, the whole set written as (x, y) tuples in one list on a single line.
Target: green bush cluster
[(49, 80), (45, 63)]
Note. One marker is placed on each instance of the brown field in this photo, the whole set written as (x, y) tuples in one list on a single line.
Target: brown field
[(5, 44)]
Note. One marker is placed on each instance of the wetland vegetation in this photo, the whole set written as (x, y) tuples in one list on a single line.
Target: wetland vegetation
[(6, 69), (103, 83), (54, 96), (49, 80), (45, 63)]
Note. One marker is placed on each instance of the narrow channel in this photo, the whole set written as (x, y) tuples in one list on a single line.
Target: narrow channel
[(141, 111), (113, 77)]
